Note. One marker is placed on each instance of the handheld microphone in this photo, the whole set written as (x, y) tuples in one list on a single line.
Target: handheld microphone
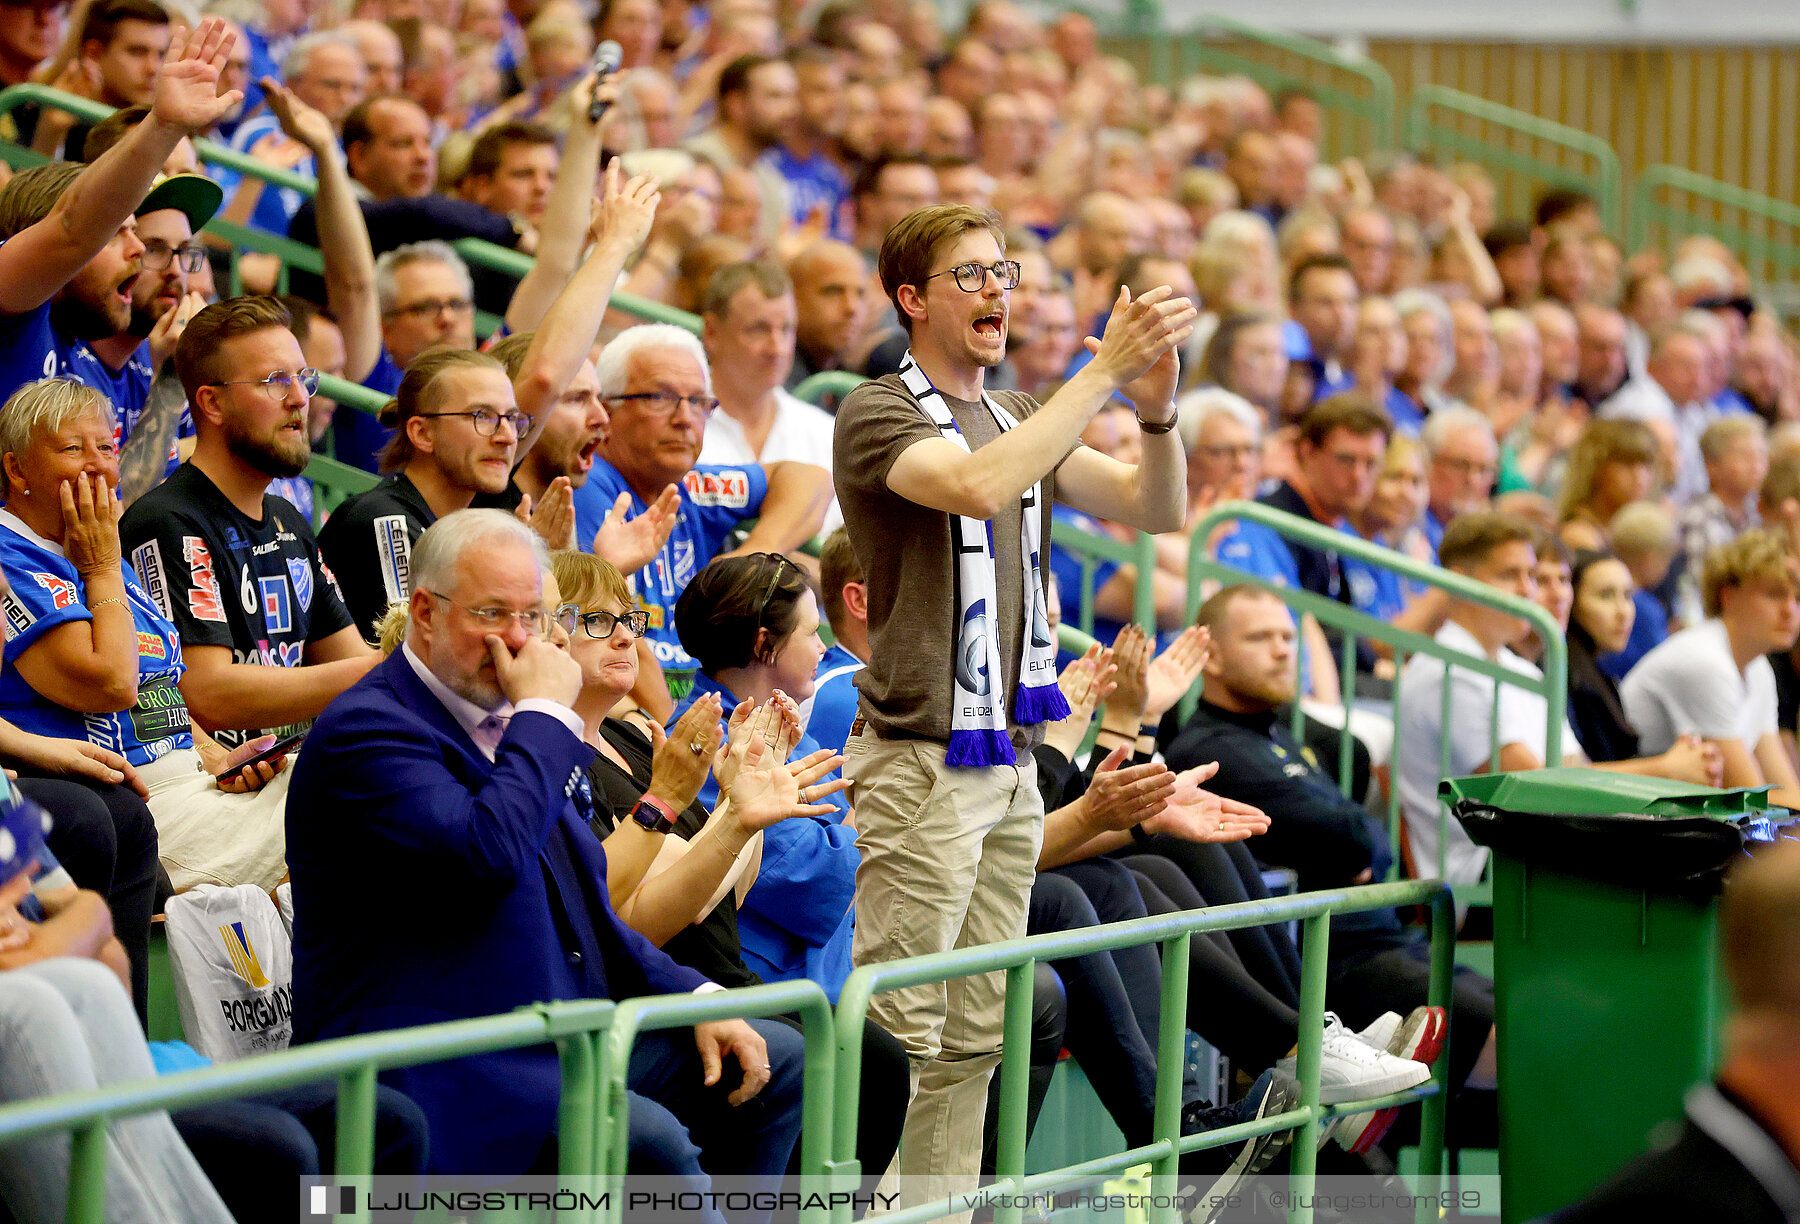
[(607, 58)]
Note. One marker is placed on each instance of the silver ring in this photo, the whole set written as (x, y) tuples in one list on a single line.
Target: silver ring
[(697, 747)]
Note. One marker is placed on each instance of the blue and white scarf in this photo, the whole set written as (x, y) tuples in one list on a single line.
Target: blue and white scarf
[(977, 713)]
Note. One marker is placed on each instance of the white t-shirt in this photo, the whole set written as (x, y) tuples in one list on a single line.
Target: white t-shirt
[(801, 434), (1691, 685), (1523, 718)]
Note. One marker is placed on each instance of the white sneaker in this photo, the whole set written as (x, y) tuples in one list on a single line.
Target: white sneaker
[(1381, 1033), (1352, 1070)]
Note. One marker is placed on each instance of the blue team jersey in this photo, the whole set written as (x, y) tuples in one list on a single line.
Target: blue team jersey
[(45, 591), (1375, 590), (814, 183), (834, 698), (31, 347), (715, 500), (276, 206)]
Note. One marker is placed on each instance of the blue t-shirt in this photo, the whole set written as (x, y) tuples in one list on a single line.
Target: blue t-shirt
[(1404, 412), (1647, 633), (715, 499), (1373, 589), (796, 919), (47, 592), (31, 347), (813, 183), (1066, 565), (834, 698), (276, 207)]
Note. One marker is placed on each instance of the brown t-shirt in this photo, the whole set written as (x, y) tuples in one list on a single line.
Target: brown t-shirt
[(904, 550)]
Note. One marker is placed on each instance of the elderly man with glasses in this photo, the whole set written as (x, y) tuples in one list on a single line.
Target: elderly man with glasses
[(457, 429), (657, 387), (264, 631), (448, 774)]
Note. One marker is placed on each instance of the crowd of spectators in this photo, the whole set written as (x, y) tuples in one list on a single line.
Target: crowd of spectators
[(589, 528)]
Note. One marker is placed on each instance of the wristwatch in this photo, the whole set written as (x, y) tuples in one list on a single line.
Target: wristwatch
[(653, 815), (1156, 427)]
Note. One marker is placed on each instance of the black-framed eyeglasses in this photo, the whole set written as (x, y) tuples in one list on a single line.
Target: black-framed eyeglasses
[(487, 420), (431, 308), (600, 625), (278, 383), (664, 403), (158, 255), (972, 276), (535, 621)]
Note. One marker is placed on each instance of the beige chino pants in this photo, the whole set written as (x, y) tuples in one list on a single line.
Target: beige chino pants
[(948, 858)]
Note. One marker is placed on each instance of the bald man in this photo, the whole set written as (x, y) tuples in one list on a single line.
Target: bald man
[(1734, 1156), (831, 292)]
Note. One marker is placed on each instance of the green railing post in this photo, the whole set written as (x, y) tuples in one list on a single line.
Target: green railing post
[(1015, 1070), (1605, 181), (87, 1173), (1377, 106), (356, 1128), (1303, 1163), (1432, 1119), (1767, 259), (1171, 1057), (1091, 549), (828, 382)]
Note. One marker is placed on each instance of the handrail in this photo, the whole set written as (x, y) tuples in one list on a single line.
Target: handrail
[(497, 258), (354, 1061), (1552, 685), (828, 382), (1090, 549), (1172, 932), (1380, 107), (1756, 246), (211, 151), (1606, 183)]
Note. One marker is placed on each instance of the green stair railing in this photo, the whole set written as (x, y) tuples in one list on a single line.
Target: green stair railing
[(1352, 623), (1538, 149), (1763, 230), (1354, 88), (1090, 550), (1172, 933)]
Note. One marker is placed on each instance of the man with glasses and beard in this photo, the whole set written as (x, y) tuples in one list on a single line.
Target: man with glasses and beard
[(456, 430), (264, 630)]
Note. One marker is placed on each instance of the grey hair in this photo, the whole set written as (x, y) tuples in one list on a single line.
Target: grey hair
[(1409, 302), (437, 553), (431, 250), (613, 366), (298, 55), (1445, 421), (1194, 409), (48, 403)]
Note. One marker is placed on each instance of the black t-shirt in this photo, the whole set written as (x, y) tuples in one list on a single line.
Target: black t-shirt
[(1787, 690), (226, 579), (368, 542), (711, 945), (1313, 829), (1319, 569)]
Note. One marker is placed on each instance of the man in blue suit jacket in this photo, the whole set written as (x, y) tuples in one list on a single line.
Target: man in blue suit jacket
[(440, 872)]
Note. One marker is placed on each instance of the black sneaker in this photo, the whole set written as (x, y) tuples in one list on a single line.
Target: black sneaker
[(1273, 1093)]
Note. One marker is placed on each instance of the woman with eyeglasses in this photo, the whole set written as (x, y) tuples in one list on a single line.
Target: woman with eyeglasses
[(456, 432), (711, 856), (91, 658)]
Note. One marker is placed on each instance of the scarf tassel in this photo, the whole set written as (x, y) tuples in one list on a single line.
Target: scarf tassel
[(979, 748), (1039, 704)]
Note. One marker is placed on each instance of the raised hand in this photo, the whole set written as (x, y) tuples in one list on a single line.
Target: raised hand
[(626, 213), (554, 516), (680, 760), (1173, 672), (747, 720), (187, 87), (1085, 682), (301, 122), (90, 524), (630, 543), (1131, 653), (764, 791), (1138, 349), (167, 332), (586, 90), (1198, 815)]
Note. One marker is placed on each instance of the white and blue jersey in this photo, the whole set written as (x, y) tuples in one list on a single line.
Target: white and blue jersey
[(715, 500), (45, 592), (834, 703)]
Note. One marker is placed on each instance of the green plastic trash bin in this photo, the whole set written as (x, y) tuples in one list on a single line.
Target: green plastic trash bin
[(1608, 995)]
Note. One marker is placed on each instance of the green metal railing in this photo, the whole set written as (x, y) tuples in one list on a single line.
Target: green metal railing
[(594, 1041), (1762, 229), (1091, 550), (1172, 932), (497, 258), (1536, 148), (837, 383), (1552, 686), (1359, 89)]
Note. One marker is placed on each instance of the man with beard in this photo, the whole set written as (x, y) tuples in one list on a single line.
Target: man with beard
[(456, 428), (72, 253), (758, 99), (264, 630)]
